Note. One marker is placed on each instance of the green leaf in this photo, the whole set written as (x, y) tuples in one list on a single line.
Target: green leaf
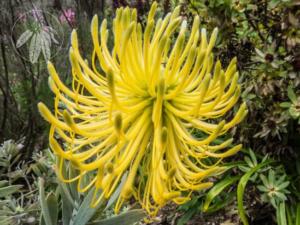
[(265, 181), (298, 214), (85, 211), (217, 189), (285, 104), (222, 204), (253, 157), (291, 94), (46, 45), (35, 48), (241, 189), (53, 209), (8, 190), (283, 185), (44, 205), (271, 177), (126, 218), (187, 216), (67, 203), (24, 38), (262, 188), (281, 215), (3, 183)]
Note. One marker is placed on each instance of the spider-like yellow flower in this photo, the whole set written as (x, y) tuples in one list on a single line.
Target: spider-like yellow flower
[(133, 112)]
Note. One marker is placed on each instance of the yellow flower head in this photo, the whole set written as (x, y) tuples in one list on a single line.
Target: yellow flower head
[(133, 111)]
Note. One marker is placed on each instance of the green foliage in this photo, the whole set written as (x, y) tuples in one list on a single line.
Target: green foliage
[(274, 188), (293, 107)]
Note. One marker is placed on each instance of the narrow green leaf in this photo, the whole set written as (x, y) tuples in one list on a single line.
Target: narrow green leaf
[(126, 218), (241, 189), (187, 216), (35, 48), (85, 211), (285, 104), (291, 94), (67, 203), (281, 214), (222, 204), (8, 190), (46, 45), (298, 214), (43, 203), (253, 157), (217, 189), (24, 38), (3, 183), (53, 207)]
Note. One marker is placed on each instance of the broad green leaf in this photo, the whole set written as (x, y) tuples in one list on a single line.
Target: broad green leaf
[(43, 202), (24, 38), (217, 189), (8, 190), (85, 211), (241, 189), (126, 218)]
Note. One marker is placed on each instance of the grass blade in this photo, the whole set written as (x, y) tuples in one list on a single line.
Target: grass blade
[(217, 189), (241, 189)]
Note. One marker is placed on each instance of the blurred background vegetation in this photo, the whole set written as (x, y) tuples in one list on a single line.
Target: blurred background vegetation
[(264, 35)]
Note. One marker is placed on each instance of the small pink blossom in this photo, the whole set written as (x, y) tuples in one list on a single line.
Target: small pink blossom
[(68, 15)]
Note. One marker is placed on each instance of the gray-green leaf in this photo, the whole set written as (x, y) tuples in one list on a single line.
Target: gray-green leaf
[(126, 218), (24, 38), (35, 48)]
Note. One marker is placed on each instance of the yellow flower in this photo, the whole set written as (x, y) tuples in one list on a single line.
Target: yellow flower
[(132, 112)]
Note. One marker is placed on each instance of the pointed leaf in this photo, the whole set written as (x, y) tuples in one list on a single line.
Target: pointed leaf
[(24, 38), (285, 104), (253, 157), (241, 189), (126, 218), (53, 207), (217, 189), (8, 190), (43, 202), (46, 45), (35, 48), (281, 215), (298, 214), (283, 185), (291, 94), (85, 211)]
